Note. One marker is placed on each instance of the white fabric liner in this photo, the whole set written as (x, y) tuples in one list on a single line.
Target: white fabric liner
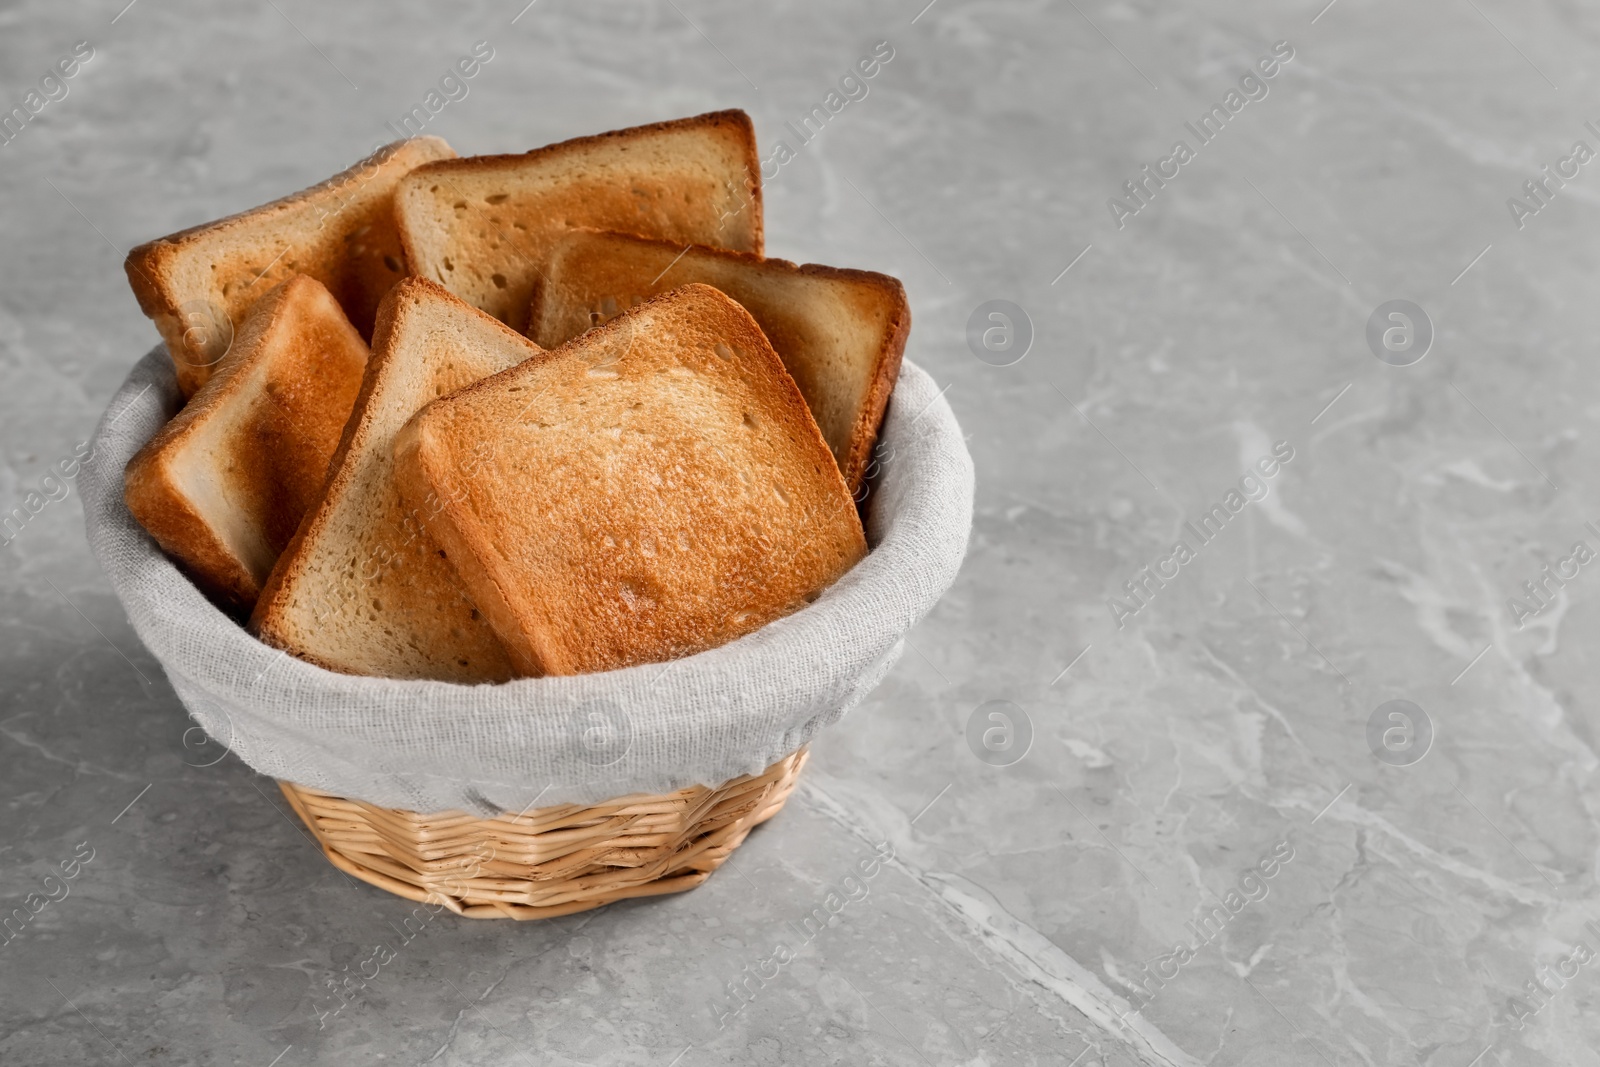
[(486, 749)]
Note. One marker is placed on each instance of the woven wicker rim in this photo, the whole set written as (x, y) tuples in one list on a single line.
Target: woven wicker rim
[(549, 861)]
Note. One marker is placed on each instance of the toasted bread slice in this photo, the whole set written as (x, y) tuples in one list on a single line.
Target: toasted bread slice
[(363, 587), (223, 486), (840, 333), (199, 283), (655, 488), (482, 226)]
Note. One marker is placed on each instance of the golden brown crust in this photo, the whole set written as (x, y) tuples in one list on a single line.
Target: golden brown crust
[(223, 485), (589, 262), (489, 250), (340, 231), (323, 604), (865, 434), (658, 524)]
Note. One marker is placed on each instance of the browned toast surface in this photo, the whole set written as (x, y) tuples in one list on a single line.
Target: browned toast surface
[(224, 485), (198, 284), (364, 587), (482, 226), (655, 488), (840, 333)]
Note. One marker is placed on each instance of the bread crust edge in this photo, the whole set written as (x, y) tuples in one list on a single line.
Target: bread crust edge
[(146, 265)]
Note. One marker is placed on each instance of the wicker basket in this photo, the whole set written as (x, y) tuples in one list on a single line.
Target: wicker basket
[(549, 861)]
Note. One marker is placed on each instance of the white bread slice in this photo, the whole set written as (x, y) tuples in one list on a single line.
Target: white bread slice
[(840, 333), (364, 588), (482, 226), (223, 486), (655, 488), (199, 283)]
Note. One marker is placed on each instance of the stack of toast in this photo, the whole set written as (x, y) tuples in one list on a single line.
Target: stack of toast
[(472, 419)]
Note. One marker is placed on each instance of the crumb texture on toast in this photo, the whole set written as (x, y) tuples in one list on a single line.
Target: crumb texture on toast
[(224, 485), (840, 333), (199, 284), (482, 226), (653, 489), (365, 587)]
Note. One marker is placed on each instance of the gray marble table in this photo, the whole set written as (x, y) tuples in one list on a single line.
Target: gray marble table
[(1221, 845)]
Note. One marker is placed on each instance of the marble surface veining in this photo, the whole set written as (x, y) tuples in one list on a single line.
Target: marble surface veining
[(1219, 847)]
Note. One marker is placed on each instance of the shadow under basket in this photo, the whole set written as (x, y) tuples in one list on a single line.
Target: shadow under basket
[(549, 861)]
